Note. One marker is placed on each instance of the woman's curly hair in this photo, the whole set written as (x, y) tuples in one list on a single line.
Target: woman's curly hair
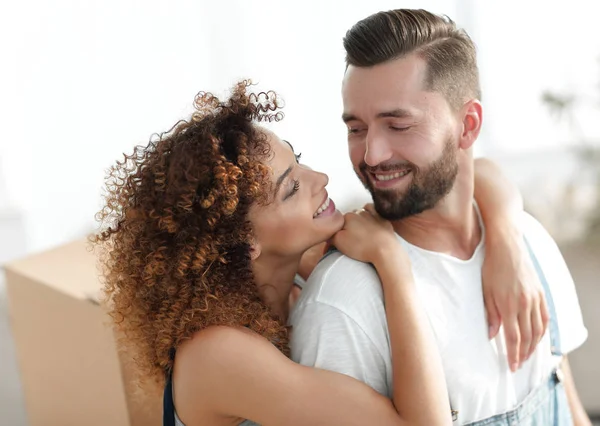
[(175, 236)]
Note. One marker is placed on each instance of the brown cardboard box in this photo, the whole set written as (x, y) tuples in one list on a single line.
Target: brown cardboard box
[(69, 366)]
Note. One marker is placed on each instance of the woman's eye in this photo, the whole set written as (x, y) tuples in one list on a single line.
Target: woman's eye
[(296, 186), (295, 189)]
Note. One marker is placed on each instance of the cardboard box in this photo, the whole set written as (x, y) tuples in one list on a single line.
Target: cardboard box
[(69, 366)]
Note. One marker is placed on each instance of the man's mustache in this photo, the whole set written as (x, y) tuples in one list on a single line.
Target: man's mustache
[(363, 167)]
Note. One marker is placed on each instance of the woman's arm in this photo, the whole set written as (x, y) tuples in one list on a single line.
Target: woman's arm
[(499, 199), (512, 292), (420, 393), (232, 373), (225, 373)]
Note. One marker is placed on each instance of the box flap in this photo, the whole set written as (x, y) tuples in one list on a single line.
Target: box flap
[(70, 268)]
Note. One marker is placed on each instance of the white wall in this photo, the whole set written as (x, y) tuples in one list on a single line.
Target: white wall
[(88, 80), (92, 79), (527, 47)]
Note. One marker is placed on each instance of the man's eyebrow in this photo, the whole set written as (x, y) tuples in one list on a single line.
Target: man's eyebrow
[(395, 113), (348, 117)]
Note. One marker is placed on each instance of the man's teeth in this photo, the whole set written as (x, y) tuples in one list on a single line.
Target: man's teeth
[(392, 176), (322, 208)]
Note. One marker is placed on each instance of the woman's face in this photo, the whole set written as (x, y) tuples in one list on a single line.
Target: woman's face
[(300, 213)]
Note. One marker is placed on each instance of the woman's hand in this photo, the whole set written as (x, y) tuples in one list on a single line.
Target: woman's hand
[(512, 291), (513, 294), (367, 237)]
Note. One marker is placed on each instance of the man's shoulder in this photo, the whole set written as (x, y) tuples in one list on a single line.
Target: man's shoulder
[(343, 283), (560, 283), (336, 265), (340, 306), (533, 227), (545, 250), (539, 239)]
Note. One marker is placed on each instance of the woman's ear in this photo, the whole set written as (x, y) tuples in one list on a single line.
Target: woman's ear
[(254, 250)]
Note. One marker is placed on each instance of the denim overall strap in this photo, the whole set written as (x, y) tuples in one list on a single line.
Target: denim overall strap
[(553, 327)]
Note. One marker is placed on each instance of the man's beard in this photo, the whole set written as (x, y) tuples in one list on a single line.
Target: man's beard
[(427, 187)]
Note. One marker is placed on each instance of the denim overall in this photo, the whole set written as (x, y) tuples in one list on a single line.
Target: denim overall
[(546, 405)]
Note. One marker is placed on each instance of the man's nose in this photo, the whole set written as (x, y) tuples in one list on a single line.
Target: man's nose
[(378, 150)]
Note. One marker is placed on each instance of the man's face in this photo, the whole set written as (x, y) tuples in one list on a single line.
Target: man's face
[(402, 139)]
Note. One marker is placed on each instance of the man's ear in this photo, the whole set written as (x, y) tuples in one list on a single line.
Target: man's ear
[(471, 123)]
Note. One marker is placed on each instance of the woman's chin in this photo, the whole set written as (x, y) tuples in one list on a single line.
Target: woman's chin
[(335, 222), (327, 227)]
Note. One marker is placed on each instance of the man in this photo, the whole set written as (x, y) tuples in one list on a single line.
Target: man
[(412, 107)]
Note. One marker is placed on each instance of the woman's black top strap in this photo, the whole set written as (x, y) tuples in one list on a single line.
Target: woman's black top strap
[(168, 407)]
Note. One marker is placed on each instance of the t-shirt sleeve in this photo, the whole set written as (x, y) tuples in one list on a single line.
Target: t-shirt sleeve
[(325, 337), (572, 330)]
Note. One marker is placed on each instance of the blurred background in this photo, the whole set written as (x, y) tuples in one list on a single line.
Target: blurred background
[(81, 82)]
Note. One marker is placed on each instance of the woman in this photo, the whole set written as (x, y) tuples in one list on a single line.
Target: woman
[(205, 231)]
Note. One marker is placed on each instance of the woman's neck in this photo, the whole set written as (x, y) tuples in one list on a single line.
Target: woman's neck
[(274, 277)]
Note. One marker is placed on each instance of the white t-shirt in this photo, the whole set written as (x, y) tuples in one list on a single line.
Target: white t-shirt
[(339, 324)]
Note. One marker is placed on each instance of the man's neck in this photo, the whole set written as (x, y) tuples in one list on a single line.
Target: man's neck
[(274, 277), (451, 227)]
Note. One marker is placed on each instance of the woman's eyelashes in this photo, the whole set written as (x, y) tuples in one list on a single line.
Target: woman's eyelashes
[(295, 188), (295, 182)]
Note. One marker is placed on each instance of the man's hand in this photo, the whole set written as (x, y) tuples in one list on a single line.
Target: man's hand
[(513, 296)]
